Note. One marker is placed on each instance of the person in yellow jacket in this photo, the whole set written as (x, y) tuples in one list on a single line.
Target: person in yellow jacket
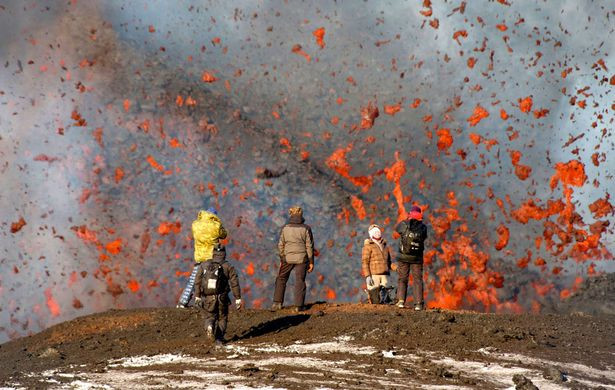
[(207, 230)]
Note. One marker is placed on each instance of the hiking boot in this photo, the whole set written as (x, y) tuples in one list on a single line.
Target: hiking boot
[(299, 309), (210, 333), (418, 307), (180, 306), (219, 343), (401, 304), (276, 306)]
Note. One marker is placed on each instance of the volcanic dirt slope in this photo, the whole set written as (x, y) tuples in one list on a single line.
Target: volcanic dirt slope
[(329, 345)]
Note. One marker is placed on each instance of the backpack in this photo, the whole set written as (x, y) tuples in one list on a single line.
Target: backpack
[(214, 280), (411, 241)]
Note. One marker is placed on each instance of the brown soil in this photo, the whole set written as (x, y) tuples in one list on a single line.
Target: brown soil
[(93, 340)]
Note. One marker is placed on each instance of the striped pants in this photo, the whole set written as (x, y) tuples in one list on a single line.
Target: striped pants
[(189, 290)]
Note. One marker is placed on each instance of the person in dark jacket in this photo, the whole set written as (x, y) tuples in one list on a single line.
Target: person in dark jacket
[(296, 251), (413, 234), (214, 280)]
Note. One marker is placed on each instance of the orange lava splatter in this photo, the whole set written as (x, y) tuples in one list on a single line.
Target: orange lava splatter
[(119, 174), (331, 295), (445, 139), (503, 236), (599, 208), (52, 304), (337, 162), (319, 34), (394, 173), (391, 109), (133, 285), (369, 115), (460, 33), (503, 114), (114, 247), (525, 105), (479, 114), (298, 50), (357, 205), (154, 163), (127, 105), (208, 77), (250, 269), (16, 226), (570, 173)]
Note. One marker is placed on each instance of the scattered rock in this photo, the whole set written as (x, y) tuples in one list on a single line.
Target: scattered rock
[(50, 353), (523, 383), (554, 374)]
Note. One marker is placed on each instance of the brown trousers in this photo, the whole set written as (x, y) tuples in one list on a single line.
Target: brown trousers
[(403, 270), (216, 313), (282, 279)]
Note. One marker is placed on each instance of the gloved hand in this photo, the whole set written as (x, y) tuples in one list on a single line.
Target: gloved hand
[(238, 304), (369, 281), (198, 301), (310, 267)]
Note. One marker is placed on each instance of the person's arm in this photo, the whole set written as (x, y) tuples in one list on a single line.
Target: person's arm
[(197, 282), (399, 228), (222, 233), (234, 282), (309, 245), (281, 245), (365, 256)]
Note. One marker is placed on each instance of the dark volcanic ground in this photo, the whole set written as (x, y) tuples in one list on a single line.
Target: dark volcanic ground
[(330, 345)]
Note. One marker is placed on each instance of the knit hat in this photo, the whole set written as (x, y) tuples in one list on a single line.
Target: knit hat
[(295, 210), (212, 210), (375, 233), (415, 213)]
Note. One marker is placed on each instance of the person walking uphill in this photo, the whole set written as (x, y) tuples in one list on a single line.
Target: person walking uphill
[(375, 263), (296, 251), (413, 234), (214, 280), (207, 230)]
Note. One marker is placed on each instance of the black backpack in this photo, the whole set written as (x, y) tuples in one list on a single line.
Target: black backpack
[(214, 280), (411, 241)]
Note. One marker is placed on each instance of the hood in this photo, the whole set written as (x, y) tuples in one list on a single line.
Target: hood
[(207, 216)]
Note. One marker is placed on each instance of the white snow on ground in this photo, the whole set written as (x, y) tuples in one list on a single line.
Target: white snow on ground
[(321, 365), (142, 361), (570, 367)]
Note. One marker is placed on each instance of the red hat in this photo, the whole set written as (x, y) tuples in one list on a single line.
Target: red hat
[(415, 213)]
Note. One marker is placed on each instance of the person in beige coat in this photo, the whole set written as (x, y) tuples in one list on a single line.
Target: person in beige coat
[(296, 251), (375, 263)]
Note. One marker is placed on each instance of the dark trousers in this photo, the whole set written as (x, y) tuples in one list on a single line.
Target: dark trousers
[(189, 290), (280, 282), (216, 313), (403, 270)]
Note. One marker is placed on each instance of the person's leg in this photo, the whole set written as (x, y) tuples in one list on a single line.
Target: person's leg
[(280, 282), (403, 270), (417, 285), (187, 293), (223, 305), (210, 308), (382, 281), (373, 291), (300, 273)]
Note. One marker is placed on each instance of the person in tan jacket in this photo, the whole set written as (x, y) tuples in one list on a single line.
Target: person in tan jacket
[(296, 251), (375, 263)]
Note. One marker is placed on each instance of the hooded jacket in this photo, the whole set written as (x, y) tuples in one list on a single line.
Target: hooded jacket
[(296, 243), (413, 224), (219, 256), (207, 231), (375, 261)]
